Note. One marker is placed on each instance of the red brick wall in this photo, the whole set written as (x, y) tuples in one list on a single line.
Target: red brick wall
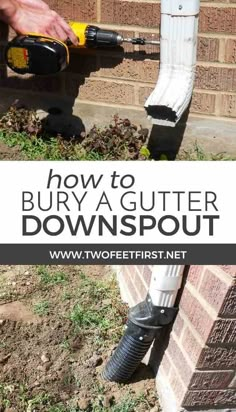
[(199, 363), (117, 80), (134, 283)]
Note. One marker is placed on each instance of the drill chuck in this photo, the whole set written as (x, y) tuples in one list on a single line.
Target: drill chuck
[(96, 37)]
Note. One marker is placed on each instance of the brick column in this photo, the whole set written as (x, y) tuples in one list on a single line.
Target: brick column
[(197, 371)]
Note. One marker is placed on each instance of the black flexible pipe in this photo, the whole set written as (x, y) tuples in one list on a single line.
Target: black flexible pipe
[(143, 323), (129, 353)]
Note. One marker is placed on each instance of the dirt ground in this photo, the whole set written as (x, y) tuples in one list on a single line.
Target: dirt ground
[(10, 153), (58, 327)]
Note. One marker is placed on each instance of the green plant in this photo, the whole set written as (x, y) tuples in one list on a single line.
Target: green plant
[(60, 408), (66, 296), (198, 153), (83, 317), (38, 400), (65, 344), (144, 151), (128, 404), (5, 392), (42, 308), (23, 394), (54, 278), (121, 140), (98, 309)]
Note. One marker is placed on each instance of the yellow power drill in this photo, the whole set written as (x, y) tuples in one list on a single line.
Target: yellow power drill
[(42, 55)]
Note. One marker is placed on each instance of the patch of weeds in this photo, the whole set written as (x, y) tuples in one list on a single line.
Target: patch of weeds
[(83, 317), (128, 404), (5, 393), (99, 310), (121, 140), (60, 408), (39, 400), (48, 278), (65, 344), (7, 296), (198, 153), (99, 388), (35, 148), (66, 296), (96, 290), (71, 380), (23, 394), (42, 308)]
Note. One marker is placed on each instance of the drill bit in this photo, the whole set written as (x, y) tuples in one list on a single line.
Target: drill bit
[(140, 41)]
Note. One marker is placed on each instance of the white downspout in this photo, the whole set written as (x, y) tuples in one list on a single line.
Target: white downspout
[(178, 48), (165, 283)]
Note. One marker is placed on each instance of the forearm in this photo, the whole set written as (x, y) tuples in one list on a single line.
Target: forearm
[(35, 16)]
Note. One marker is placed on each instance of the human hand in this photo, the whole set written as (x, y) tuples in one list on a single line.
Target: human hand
[(35, 16)]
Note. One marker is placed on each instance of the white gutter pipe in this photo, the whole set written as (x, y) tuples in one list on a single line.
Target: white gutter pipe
[(166, 280), (144, 322), (178, 48)]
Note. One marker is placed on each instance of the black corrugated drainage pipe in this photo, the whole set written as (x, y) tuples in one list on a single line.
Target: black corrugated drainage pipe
[(144, 321)]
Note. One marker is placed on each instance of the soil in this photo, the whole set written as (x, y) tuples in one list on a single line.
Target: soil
[(46, 364), (10, 153)]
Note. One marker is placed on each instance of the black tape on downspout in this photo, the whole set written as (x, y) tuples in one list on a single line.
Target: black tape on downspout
[(143, 323)]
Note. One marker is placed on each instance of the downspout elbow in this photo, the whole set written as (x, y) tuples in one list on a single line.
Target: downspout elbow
[(173, 92), (144, 322)]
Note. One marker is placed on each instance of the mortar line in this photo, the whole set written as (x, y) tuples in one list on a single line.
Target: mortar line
[(183, 350), (214, 92), (220, 273), (218, 5), (99, 12), (222, 51), (216, 64), (212, 312), (192, 329), (208, 117), (176, 369)]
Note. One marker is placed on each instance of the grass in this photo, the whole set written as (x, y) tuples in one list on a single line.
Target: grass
[(53, 148), (47, 278), (50, 148), (198, 153), (127, 404), (42, 308), (65, 344), (84, 317), (120, 140), (5, 390), (97, 309), (99, 314), (39, 400), (66, 296)]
